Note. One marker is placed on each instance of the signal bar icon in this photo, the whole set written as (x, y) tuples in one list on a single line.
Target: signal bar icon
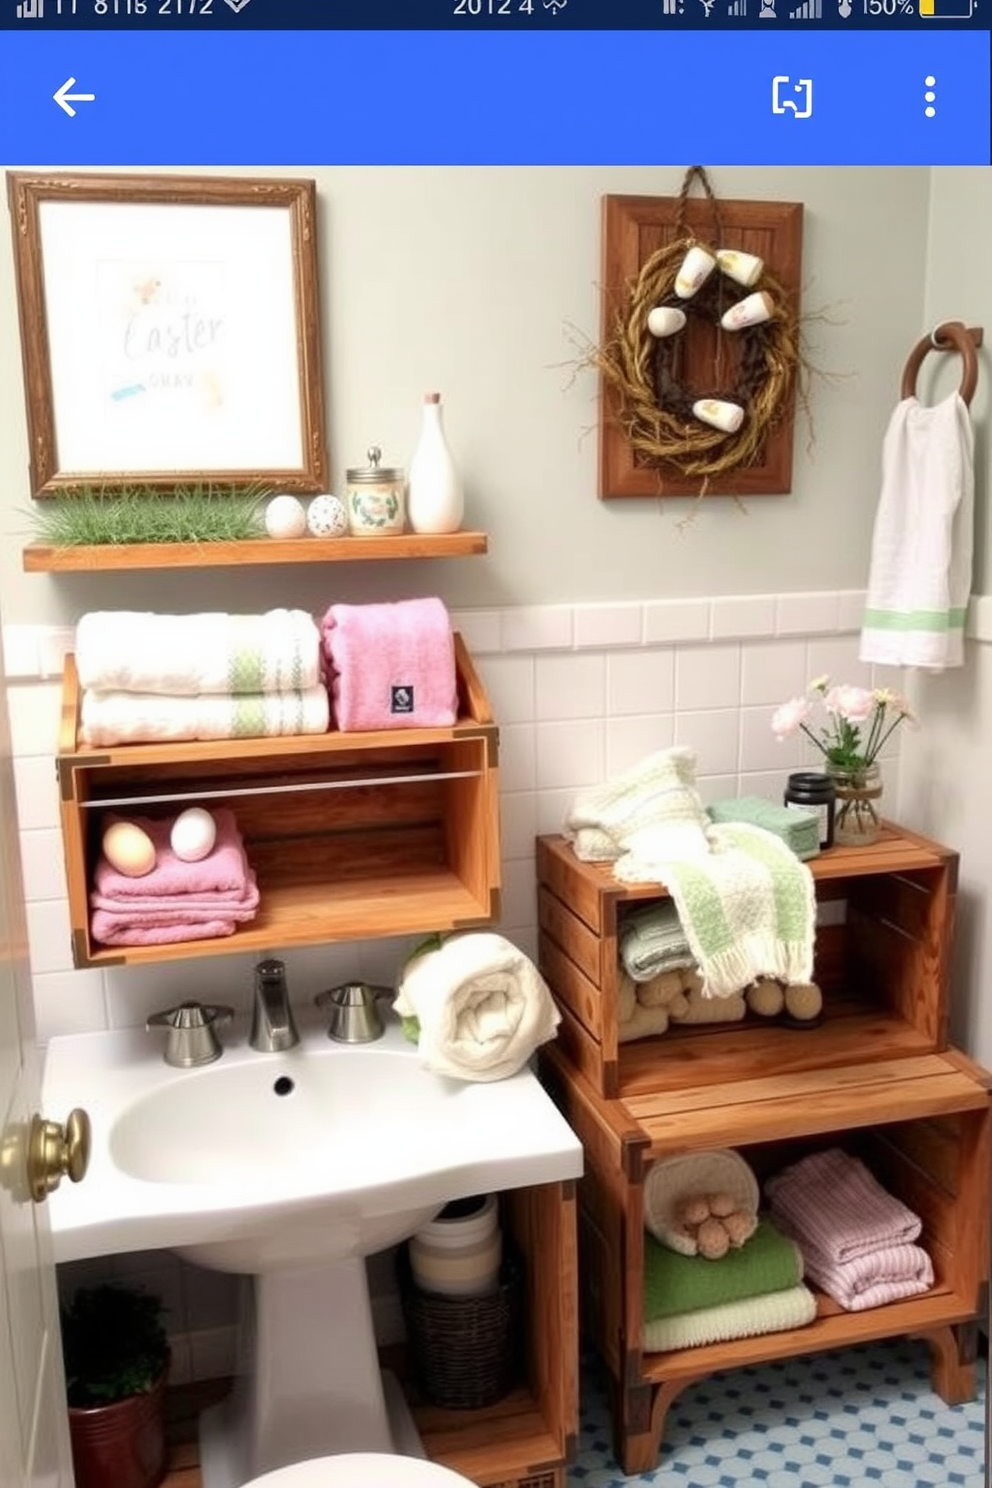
[(810, 10)]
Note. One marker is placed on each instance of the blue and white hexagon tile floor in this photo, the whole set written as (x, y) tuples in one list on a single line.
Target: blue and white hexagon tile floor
[(862, 1417)]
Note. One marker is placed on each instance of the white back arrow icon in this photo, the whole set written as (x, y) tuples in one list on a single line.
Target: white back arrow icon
[(65, 99)]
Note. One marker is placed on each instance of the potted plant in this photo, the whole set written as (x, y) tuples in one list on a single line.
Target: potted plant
[(116, 1355)]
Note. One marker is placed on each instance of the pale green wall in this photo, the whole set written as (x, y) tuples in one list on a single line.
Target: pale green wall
[(483, 283)]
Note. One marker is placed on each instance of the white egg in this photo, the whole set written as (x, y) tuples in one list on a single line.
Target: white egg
[(129, 849), (193, 834), (327, 517), (285, 517)]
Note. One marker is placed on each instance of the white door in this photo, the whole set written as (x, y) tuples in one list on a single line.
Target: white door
[(34, 1443)]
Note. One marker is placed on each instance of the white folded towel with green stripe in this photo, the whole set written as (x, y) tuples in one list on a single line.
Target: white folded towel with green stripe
[(748, 906), (108, 718), (185, 655)]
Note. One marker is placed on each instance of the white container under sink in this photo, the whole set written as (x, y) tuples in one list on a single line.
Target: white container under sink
[(459, 1253)]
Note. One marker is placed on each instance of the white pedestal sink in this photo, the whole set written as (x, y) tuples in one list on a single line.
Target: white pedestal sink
[(290, 1169)]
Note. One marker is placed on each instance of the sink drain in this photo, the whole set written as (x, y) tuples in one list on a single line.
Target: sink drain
[(284, 1085)]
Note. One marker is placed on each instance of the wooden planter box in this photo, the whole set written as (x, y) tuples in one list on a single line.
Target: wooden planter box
[(350, 835), (883, 942), (921, 1124)]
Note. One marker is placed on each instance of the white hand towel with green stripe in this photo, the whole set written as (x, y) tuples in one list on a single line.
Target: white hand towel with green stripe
[(920, 576), (183, 655), (748, 906)]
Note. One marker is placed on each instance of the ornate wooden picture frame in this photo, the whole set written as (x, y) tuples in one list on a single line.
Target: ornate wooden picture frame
[(634, 228), (170, 331)]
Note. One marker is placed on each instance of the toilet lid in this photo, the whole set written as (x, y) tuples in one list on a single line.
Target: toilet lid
[(362, 1470)]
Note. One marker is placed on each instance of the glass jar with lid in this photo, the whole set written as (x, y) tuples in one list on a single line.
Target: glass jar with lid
[(375, 496)]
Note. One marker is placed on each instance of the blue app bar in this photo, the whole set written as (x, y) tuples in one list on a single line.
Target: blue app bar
[(414, 98)]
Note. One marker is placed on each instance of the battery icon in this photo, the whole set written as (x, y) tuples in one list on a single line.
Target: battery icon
[(947, 10)]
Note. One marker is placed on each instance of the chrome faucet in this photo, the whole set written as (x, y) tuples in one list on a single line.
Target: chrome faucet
[(272, 1026)]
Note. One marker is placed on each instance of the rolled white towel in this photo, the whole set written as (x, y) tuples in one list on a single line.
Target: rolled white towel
[(482, 1006), (181, 655), (107, 718)]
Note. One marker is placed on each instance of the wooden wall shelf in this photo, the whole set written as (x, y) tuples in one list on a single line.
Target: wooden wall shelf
[(43, 558)]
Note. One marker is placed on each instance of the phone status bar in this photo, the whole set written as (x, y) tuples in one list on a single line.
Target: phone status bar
[(474, 15)]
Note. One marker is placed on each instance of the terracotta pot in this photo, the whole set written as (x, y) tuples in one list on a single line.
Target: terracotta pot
[(121, 1445)]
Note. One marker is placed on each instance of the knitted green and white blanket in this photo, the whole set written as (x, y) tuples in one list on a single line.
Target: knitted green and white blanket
[(745, 901), (747, 905)]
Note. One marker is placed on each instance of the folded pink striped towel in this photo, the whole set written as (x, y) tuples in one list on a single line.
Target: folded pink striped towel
[(392, 665), (884, 1275), (221, 877), (831, 1200)]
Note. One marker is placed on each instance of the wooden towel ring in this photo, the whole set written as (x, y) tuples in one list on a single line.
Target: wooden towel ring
[(952, 335)]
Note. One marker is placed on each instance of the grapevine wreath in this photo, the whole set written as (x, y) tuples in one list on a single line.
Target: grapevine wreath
[(708, 431)]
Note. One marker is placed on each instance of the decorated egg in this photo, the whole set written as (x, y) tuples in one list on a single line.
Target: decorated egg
[(129, 849), (665, 320), (327, 517), (285, 517), (193, 834)]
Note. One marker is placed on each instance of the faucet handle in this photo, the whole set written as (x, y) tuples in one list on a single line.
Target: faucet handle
[(355, 1016), (191, 1039)]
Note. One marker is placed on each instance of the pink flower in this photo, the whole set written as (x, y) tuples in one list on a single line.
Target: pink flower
[(856, 704), (790, 716)]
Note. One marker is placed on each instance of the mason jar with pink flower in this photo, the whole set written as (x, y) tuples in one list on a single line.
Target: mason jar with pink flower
[(856, 725)]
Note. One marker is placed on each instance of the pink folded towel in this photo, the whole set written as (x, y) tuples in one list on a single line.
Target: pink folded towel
[(832, 1201), (884, 1275), (222, 876), (182, 906), (119, 930), (392, 665)]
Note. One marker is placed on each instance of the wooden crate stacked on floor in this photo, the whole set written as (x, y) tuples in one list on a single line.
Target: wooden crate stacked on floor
[(876, 1076)]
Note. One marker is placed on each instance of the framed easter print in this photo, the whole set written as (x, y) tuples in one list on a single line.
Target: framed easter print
[(170, 330)]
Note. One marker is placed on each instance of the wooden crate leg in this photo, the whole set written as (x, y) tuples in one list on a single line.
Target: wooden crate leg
[(952, 1366), (632, 1444), (639, 1415)]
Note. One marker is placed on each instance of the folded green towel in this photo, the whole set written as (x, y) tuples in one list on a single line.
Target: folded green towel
[(775, 1312), (676, 1284), (798, 828)]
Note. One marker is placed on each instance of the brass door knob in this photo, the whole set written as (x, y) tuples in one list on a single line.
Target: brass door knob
[(55, 1150)]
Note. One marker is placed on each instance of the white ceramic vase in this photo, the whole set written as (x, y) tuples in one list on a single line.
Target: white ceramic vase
[(435, 500)]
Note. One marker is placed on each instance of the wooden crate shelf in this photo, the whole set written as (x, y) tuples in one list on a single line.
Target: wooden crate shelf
[(886, 917), (876, 1076), (924, 1126), (527, 1439), (350, 835)]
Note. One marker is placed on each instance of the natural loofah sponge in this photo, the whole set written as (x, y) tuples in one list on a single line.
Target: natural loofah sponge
[(679, 1187)]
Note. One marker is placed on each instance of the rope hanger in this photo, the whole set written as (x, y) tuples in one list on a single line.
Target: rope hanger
[(951, 335)]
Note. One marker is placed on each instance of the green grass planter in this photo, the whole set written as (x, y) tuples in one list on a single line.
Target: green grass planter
[(116, 1357)]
